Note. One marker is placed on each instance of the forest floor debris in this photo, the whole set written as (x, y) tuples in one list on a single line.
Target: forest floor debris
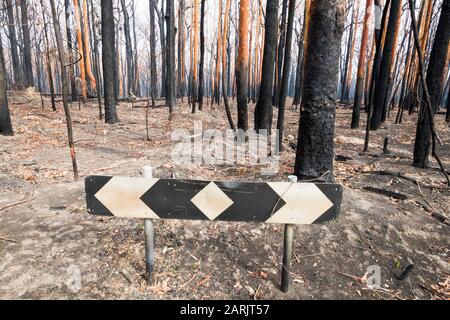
[(56, 243)]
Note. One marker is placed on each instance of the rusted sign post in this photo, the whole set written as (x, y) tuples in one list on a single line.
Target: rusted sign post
[(148, 198)]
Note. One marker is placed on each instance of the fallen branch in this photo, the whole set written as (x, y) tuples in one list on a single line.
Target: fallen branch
[(402, 176), (387, 193), (126, 276), (151, 107), (7, 240), (432, 291), (186, 283), (123, 163), (341, 158), (18, 203)]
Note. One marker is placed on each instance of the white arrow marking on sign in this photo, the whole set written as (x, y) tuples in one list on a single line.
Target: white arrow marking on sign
[(305, 203), (122, 195)]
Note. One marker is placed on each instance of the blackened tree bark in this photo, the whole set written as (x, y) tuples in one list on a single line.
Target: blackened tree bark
[(194, 57), (201, 76), (129, 47), (71, 51), (170, 60), (18, 81), (302, 55), (181, 80), (385, 65), (136, 78), (163, 41), (447, 114), (280, 52), (299, 73), (48, 58), (5, 118), (315, 147), (347, 57), (64, 88), (378, 34), (153, 74), (286, 74), (109, 61), (94, 33), (242, 65), (435, 81), (263, 110), (359, 90), (224, 64), (26, 44)]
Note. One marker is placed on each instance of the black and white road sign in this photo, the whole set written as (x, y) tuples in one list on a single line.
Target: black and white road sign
[(270, 202)]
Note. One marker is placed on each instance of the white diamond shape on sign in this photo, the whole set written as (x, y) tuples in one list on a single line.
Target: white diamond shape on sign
[(212, 201)]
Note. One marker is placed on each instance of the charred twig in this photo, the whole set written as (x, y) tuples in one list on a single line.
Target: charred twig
[(432, 291), (7, 240), (25, 200), (387, 193), (126, 276), (404, 274), (402, 176)]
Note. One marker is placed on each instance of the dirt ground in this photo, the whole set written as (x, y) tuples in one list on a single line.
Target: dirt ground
[(50, 248)]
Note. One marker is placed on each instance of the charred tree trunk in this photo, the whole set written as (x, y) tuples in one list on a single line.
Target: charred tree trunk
[(385, 65), (29, 82), (286, 73), (170, 60), (263, 110), (5, 118), (378, 37), (86, 46), (136, 80), (302, 55), (181, 81), (242, 65), (163, 42), (435, 81), (71, 70), (153, 74), (48, 58), (359, 90), (64, 88), (109, 62), (201, 80), (349, 76), (129, 48), (218, 56), (315, 147), (96, 63), (18, 81), (280, 53), (348, 59), (195, 26), (80, 50), (224, 64)]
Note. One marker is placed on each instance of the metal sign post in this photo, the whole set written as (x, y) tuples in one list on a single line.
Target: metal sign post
[(147, 172), (287, 250), (148, 198)]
